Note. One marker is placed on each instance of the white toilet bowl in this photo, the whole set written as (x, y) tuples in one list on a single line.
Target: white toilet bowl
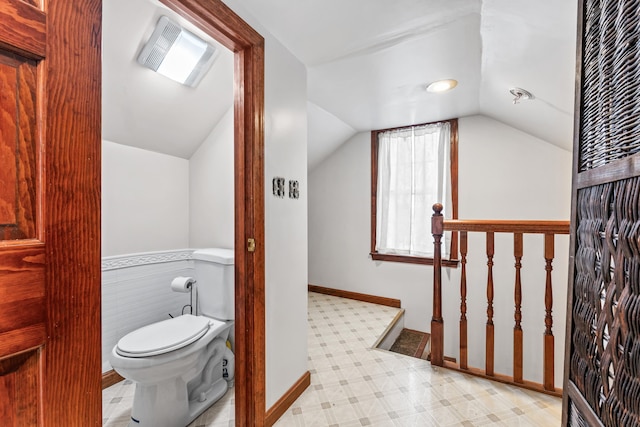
[(177, 367)]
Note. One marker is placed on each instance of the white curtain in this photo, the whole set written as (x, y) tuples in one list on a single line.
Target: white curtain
[(413, 174)]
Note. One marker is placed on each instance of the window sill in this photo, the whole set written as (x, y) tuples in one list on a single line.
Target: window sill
[(412, 259)]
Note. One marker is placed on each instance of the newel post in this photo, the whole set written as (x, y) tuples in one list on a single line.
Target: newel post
[(437, 327)]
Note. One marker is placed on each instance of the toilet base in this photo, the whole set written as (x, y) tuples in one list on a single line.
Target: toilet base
[(196, 408), (150, 411)]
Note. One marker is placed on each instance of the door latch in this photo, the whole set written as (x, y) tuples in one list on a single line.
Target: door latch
[(251, 244)]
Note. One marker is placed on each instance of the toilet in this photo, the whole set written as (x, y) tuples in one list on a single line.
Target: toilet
[(177, 364)]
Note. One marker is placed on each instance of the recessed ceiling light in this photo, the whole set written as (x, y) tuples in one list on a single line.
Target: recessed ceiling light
[(442, 85)]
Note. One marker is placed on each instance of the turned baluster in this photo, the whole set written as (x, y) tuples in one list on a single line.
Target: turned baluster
[(489, 328), (463, 301), (548, 380), (517, 329), (437, 327)]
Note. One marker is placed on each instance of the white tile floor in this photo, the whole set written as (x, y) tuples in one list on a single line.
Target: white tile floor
[(354, 385)]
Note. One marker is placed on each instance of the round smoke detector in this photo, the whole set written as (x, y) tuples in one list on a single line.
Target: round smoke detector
[(520, 94)]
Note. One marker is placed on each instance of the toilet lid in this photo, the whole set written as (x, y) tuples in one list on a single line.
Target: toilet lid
[(163, 337)]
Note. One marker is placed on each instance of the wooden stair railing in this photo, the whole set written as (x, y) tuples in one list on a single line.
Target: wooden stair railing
[(549, 229)]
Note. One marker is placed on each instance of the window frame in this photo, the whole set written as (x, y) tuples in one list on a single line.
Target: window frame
[(453, 253)]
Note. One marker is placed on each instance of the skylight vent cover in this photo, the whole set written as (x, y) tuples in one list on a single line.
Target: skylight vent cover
[(159, 44), (177, 53)]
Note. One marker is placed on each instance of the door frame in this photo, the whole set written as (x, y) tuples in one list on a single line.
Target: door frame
[(220, 22)]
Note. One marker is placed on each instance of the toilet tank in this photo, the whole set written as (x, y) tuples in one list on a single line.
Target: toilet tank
[(214, 274)]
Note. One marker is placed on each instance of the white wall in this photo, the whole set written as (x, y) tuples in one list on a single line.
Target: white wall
[(285, 219), (508, 174), (145, 200), (211, 187), (503, 173)]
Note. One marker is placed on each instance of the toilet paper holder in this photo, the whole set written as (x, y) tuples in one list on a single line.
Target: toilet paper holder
[(185, 284)]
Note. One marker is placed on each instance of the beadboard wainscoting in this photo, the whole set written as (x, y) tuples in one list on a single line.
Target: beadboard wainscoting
[(136, 291)]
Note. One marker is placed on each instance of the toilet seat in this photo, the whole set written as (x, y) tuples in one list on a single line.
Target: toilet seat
[(163, 337)]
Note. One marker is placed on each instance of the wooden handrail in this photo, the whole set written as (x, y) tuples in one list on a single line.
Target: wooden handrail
[(507, 226), (518, 228)]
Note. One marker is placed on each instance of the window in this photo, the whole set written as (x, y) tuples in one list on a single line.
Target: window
[(411, 169)]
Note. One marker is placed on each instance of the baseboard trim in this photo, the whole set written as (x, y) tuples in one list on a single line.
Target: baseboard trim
[(390, 302), (110, 378), (280, 407)]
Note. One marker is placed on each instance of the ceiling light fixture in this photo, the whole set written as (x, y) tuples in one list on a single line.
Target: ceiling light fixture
[(520, 94), (177, 53), (440, 86)]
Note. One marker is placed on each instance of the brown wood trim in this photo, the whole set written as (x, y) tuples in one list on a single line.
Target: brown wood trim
[(8, 245), (549, 340), (280, 407), (617, 170), (69, 103), (23, 29), (505, 379), (374, 191), (22, 300), (490, 332), (464, 351), (417, 124), (453, 253), (219, 21), (412, 259), (110, 378), (518, 354), (22, 340), (390, 302), (508, 226), (447, 358), (567, 384), (249, 223), (437, 326)]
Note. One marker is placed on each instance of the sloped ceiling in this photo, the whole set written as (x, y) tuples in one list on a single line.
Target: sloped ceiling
[(368, 63), (530, 45), (144, 109)]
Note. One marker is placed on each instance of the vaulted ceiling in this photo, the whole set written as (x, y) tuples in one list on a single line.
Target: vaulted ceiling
[(368, 63)]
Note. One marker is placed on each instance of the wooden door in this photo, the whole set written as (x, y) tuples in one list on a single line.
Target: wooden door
[(602, 353), (50, 368)]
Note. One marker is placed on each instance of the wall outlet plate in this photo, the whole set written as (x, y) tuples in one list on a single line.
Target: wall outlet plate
[(278, 187), (294, 189)]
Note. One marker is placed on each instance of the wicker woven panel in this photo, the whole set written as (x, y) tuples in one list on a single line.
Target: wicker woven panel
[(605, 356), (575, 417), (610, 115)]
